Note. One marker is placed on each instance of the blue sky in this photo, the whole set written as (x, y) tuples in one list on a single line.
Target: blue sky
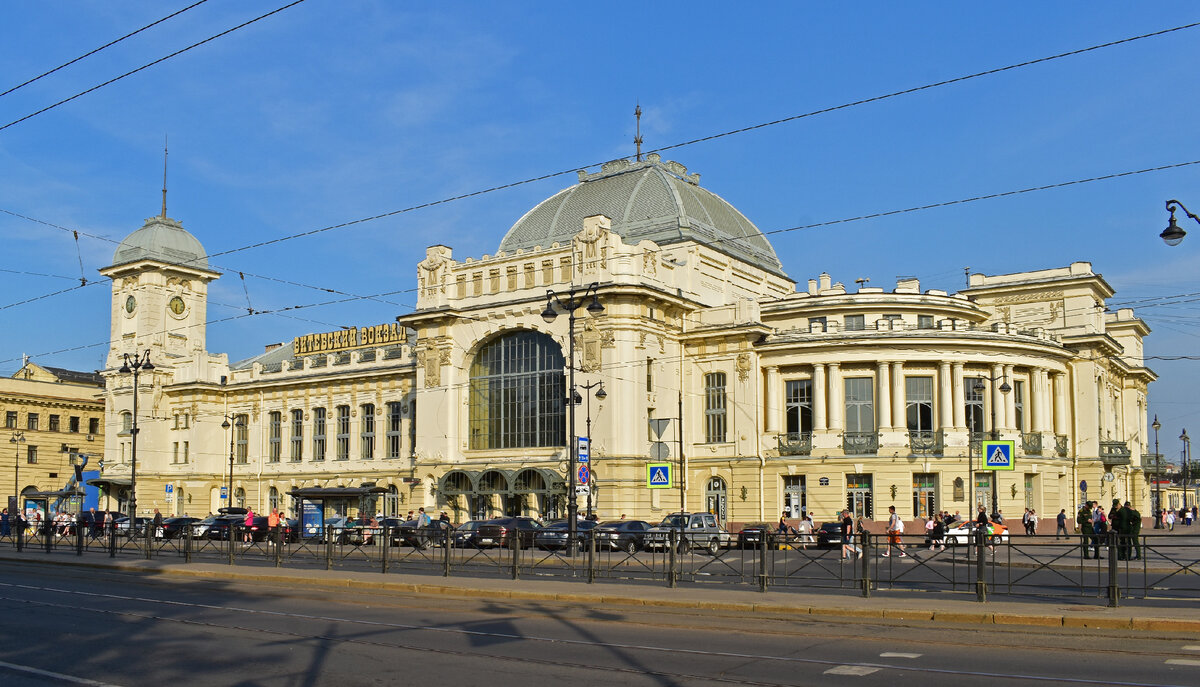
[(334, 111)]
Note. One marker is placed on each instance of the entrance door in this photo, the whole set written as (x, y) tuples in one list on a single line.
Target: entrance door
[(795, 498), (983, 491), (714, 498)]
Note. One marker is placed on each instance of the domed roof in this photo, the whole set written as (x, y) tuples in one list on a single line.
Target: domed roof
[(163, 239), (652, 200)]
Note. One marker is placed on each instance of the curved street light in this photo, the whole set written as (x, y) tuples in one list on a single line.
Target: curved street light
[(1173, 234), (134, 364)]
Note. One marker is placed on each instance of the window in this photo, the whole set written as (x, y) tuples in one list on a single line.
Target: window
[(319, 433), (239, 497), (186, 457), (273, 498), (856, 323), (31, 455), (1019, 404), (175, 452), (517, 390), (241, 433), (394, 410), (74, 426), (274, 436), (860, 405), (858, 496), (93, 425), (175, 421), (54, 424), (974, 403), (367, 437), (126, 422), (795, 496), (649, 375), (10, 419), (31, 421), (798, 399), (816, 324), (925, 322), (343, 432), (924, 494), (714, 408), (297, 436), (893, 319), (919, 404)]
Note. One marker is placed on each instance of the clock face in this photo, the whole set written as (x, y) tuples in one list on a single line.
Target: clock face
[(130, 304), (177, 305)]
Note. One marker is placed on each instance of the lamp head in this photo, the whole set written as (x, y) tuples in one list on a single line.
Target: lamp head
[(978, 385), (549, 314), (1173, 234), (1156, 425), (594, 308), (1004, 387), (225, 424), (576, 398), (601, 393)]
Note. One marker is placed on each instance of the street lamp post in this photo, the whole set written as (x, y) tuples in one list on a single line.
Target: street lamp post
[(600, 396), (1158, 525), (1174, 234), (237, 424), (18, 438), (979, 387), (139, 363), (554, 302), (1187, 459)]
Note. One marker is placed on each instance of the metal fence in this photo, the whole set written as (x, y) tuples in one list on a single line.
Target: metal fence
[(1110, 567)]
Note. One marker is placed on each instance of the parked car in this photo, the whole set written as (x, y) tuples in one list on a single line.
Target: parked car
[(695, 531), (627, 535), (121, 526), (173, 528), (465, 534), (495, 532), (422, 537), (751, 536), (554, 536), (965, 534), (829, 535)]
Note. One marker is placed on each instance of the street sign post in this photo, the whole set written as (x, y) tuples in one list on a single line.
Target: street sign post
[(659, 476), (999, 455), (584, 451)]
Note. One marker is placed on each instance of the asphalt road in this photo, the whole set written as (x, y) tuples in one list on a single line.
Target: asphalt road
[(72, 626)]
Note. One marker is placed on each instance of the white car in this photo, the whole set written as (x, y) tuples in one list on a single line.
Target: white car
[(965, 534)]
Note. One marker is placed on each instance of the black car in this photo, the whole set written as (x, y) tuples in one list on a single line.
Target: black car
[(121, 526), (174, 528), (554, 536), (422, 537), (829, 535), (751, 536), (626, 535), (497, 531), (465, 534)]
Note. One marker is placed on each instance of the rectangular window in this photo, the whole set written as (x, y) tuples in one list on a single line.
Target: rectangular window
[(860, 404), (367, 437), (175, 424), (798, 400), (54, 424), (274, 436), (925, 322), (816, 324), (795, 497), (241, 432), (319, 415), (31, 421), (1019, 404), (74, 425), (394, 411), (919, 403), (924, 494), (186, 454), (649, 375), (93, 425), (31, 454), (714, 408), (974, 403), (297, 436), (856, 323), (10, 419), (343, 432), (859, 500), (175, 452)]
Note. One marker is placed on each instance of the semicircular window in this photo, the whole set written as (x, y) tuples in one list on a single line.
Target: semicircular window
[(518, 393)]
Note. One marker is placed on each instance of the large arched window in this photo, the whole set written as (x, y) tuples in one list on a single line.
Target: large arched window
[(517, 393)]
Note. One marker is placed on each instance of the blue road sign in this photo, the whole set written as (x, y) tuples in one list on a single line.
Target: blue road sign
[(584, 474), (658, 476), (223, 492), (170, 488), (584, 451), (998, 455)]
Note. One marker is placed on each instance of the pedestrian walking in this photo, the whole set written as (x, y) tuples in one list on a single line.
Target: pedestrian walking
[(423, 518), (1170, 521), (1062, 524), (805, 530), (273, 524), (937, 535), (895, 528), (1033, 522), (1119, 521), (156, 524), (249, 523), (5, 528), (848, 546), (1100, 527), (981, 525)]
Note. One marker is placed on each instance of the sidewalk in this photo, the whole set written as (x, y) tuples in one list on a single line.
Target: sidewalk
[(893, 605)]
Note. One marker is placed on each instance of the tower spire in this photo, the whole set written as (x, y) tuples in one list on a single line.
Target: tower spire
[(164, 200), (637, 137)]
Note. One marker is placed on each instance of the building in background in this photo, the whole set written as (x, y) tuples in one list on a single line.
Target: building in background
[(758, 395)]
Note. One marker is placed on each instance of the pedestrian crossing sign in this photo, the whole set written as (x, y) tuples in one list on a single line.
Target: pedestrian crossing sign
[(658, 476), (998, 455)]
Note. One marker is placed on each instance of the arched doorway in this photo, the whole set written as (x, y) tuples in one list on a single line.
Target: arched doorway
[(715, 498)]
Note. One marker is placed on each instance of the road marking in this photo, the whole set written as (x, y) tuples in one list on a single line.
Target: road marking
[(57, 676), (1183, 662), (851, 670), (898, 654), (1191, 647)]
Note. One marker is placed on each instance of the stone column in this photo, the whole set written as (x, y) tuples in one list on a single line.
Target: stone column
[(959, 396), (883, 396), (1037, 399), (945, 397), (837, 410), (820, 423), (899, 419), (773, 401), (1060, 403), (996, 418), (1010, 402)]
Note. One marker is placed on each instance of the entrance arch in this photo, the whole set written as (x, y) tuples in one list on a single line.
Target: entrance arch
[(716, 498)]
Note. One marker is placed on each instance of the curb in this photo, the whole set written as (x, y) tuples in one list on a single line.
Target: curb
[(1111, 622)]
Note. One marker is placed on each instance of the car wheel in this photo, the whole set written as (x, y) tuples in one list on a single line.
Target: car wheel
[(714, 547), (630, 547)]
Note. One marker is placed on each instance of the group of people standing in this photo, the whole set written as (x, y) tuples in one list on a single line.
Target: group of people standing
[(1094, 524)]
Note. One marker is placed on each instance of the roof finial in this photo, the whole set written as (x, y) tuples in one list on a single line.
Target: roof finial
[(164, 207), (637, 138)]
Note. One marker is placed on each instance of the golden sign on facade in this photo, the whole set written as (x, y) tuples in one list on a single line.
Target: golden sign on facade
[(345, 339)]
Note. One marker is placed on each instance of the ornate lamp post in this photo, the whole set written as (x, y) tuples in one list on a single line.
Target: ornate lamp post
[(1158, 525), (139, 363), (979, 387), (573, 301), (1173, 234), (600, 396), (237, 424), (18, 438), (1187, 459)]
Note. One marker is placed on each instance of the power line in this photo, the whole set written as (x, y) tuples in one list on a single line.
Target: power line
[(106, 45), (148, 65)]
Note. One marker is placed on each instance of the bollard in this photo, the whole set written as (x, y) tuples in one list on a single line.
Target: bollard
[(762, 559), (187, 543), (232, 535), (383, 543), (980, 564), (112, 540), (79, 535), (20, 534), (446, 544), (591, 572), (516, 552), (672, 542), (865, 560), (329, 547), (149, 541), (48, 535), (1114, 590)]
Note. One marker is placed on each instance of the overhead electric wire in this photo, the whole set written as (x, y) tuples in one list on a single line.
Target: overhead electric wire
[(106, 45), (149, 64)]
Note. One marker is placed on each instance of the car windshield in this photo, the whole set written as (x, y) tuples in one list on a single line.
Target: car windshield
[(674, 521)]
